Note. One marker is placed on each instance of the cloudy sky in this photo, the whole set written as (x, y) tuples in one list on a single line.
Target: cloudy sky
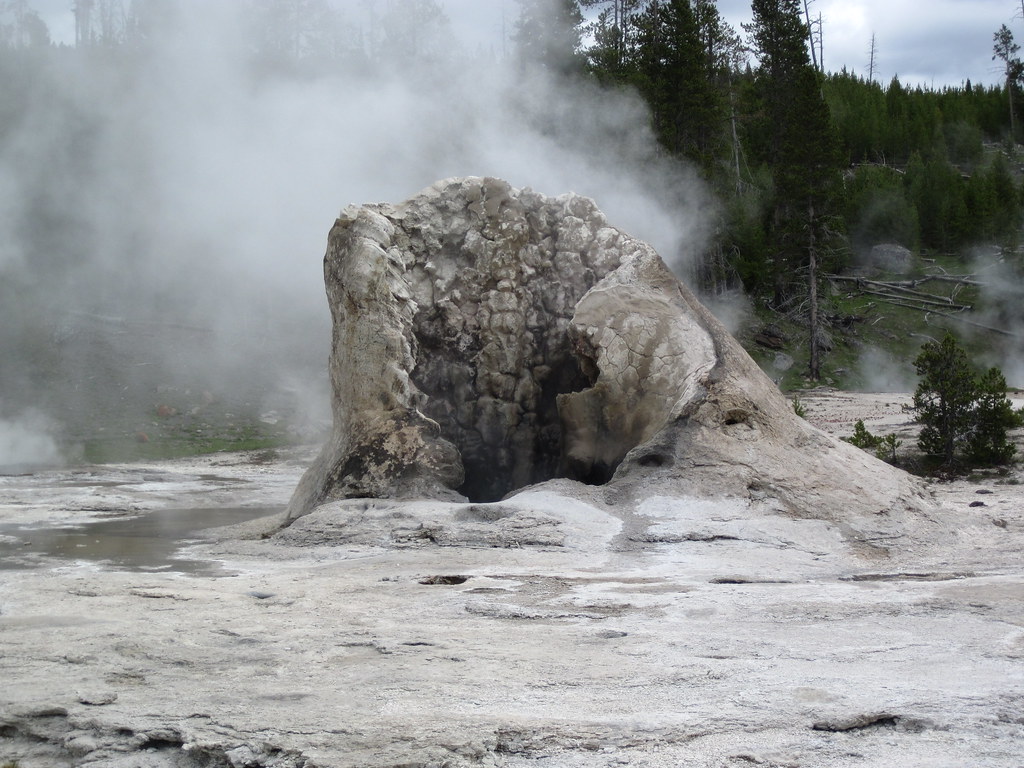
[(927, 42)]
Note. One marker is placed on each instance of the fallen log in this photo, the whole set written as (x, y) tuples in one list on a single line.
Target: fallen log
[(944, 304), (960, 318), (956, 279)]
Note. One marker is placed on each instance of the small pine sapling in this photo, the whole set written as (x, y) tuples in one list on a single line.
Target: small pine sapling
[(886, 448), (861, 438)]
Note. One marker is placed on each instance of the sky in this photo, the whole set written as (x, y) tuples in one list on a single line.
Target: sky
[(923, 42)]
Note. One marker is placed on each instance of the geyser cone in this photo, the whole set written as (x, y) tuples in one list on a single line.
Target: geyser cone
[(488, 338)]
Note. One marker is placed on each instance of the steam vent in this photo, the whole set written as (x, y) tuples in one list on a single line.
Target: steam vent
[(488, 338)]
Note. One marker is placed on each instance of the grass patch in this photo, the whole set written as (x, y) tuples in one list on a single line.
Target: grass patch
[(125, 449), (156, 435), (857, 322)]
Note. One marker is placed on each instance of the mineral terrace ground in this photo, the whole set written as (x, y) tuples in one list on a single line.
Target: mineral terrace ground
[(672, 634)]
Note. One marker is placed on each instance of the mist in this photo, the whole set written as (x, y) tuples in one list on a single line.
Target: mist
[(26, 441), (166, 200), (881, 371), (1001, 288)]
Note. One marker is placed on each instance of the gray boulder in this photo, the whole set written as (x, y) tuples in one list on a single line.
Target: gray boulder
[(488, 338), (891, 257)]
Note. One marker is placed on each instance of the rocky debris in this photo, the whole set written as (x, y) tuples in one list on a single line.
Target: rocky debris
[(488, 338), (54, 736), (97, 698), (771, 337)]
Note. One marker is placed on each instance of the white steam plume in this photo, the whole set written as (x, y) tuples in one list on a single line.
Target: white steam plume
[(25, 440), (193, 183)]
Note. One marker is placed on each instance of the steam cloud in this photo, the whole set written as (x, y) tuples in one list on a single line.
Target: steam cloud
[(183, 193), (25, 441)]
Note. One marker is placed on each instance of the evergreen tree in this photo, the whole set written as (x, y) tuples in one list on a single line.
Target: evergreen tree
[(412, 33), (288, 34), (674, 77), (992, 416), (614, 32), (959, 410), (937, 190), (1005, 212), (21, 27), (1005, 50), (547, 35), (896, 139), (944, 397), (802, 152), (876, 209)]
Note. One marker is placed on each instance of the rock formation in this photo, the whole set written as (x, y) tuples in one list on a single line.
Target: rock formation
[(488, 338)]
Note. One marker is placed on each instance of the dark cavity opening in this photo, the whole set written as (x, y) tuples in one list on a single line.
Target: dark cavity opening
[(445, 580), (591, 473), (504, 423), (653, 460)]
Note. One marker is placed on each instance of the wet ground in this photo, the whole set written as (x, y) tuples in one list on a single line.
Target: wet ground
[(150, 541), (139, 516)]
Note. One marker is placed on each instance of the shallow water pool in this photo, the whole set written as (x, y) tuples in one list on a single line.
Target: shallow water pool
[(147, 542)]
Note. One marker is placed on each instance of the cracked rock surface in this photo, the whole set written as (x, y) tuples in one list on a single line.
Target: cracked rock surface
[(487, 339)]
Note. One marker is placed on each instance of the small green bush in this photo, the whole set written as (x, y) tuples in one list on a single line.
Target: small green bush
[(883, 446), (886, 448), (862, 438), (798, 408)]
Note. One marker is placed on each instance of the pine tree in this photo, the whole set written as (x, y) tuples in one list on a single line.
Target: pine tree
[(992, 416), (801, 151), (547, 36), (1005, 49), (614, 34), (687, 112), (944, 397), (959, 410)]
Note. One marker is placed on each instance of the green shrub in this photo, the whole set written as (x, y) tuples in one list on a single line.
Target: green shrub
[(862, 438), (886, 448), (883, 446), (798, 408)]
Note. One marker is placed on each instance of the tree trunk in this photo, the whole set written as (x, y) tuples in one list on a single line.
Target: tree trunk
[(810, 34), (735, 135), (778, 262), (812, 276), (1013, 118)]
